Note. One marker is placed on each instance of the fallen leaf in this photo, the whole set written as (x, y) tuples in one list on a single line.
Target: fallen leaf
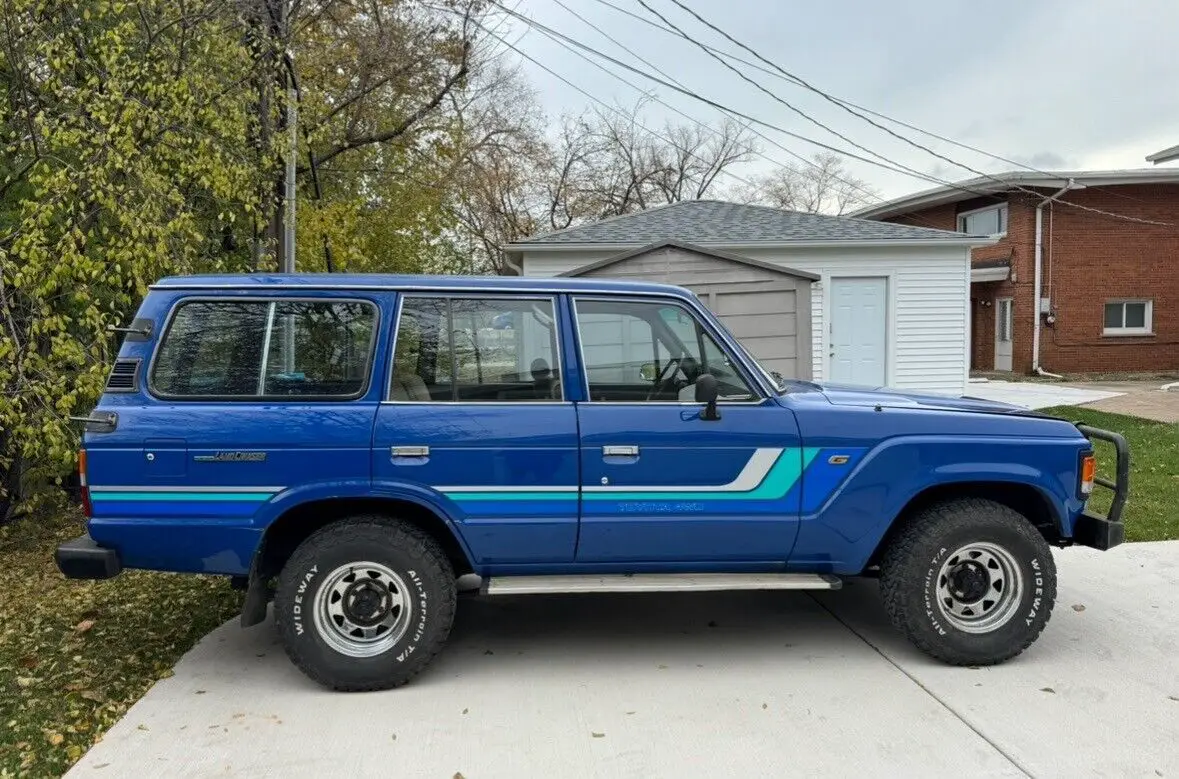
[(143, 727), (630, 712), (764, 706), (394, 736), (465, 711), (56, 739), (488, 652), (102, 765), (25, 681), (1174, 697), (597, 735), (93, 695), (662, 667), (458, 775), (28, 661), (1048, 689), (1078, 607), (84, 626), (201, 692)]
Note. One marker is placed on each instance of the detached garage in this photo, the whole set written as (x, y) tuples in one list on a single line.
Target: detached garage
[(812, 296)]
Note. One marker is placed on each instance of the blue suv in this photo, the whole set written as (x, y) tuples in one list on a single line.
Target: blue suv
[(350, 446)]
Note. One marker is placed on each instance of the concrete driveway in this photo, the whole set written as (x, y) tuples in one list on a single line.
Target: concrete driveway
[(687, 685)]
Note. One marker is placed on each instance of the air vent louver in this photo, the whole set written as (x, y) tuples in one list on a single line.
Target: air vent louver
[(124, 376)]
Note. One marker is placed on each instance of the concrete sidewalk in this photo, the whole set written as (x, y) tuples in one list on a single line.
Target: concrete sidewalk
[(687, 685)]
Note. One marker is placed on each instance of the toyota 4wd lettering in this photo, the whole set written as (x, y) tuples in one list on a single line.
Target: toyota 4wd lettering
[(349, 447)]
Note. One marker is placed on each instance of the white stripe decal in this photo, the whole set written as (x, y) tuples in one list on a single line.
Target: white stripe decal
[(138, 488), (751, 475)]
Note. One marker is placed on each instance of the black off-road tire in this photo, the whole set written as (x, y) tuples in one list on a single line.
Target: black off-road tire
[(411, 555), (910, 572)]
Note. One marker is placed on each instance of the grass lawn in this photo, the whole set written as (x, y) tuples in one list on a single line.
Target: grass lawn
[(75, 655), (1152, 513)]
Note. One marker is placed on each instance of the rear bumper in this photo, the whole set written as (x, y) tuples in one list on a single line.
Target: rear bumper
[(83, 558)]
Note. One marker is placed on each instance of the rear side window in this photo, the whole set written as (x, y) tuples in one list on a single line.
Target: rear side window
[(475, 350), (282, 348)]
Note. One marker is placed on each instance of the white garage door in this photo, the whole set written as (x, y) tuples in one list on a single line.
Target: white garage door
[(858, 331)]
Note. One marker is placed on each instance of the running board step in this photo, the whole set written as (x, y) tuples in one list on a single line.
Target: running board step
[(659, 582)]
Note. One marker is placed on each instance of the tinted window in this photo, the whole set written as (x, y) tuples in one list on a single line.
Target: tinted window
[(281, 348), (650, 352), (473, 350)]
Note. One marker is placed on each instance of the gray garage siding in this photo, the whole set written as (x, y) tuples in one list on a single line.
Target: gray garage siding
[(760, 304)]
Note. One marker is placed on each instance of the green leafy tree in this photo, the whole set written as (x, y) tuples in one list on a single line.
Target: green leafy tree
[(132, 152)]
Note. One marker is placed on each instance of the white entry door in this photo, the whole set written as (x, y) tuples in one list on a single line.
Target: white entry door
[(858, 331), (1003, 323)]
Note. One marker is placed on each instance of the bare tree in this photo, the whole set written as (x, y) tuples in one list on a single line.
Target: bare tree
[(824, 187)]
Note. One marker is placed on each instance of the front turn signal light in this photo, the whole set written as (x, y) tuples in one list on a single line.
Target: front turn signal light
[(1088, 473)]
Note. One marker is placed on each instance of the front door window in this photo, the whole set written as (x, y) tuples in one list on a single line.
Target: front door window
[(638, 351)]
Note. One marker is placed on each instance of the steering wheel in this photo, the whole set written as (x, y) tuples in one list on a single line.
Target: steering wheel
[(663, 380)]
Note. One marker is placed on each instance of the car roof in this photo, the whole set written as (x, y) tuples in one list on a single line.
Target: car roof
[(261, 281)]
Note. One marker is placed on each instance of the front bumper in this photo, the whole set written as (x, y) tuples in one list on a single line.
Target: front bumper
[(83, 558), (1094, 530)]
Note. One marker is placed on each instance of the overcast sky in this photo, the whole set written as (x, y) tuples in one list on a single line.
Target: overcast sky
[(1056, 84)]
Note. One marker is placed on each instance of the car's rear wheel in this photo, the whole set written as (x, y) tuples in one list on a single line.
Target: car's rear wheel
[(969, 582), (365, 603)]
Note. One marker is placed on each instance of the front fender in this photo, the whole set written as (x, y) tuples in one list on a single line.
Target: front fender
[(840, 535)]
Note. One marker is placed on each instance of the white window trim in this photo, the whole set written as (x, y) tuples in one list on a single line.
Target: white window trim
[(1148, 323), (994, 206)]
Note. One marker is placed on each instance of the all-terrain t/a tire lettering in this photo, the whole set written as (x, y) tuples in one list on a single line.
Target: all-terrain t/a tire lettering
[(365, 603), (969, 582)]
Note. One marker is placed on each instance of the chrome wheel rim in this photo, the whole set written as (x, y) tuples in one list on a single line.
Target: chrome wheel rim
[(362, 609), (979, 587)]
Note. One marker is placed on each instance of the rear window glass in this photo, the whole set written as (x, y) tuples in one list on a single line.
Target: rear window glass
[(243, 349)]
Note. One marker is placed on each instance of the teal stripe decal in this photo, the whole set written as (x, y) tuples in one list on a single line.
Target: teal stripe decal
[(169, 497), (777, 482)]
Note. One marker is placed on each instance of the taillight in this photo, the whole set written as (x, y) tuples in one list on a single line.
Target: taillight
[(1088, 473), (84, 485)]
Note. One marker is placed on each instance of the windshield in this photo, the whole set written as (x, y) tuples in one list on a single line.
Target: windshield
[(773, 378)]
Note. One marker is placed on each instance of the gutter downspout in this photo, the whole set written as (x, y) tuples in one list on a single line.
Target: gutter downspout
[(1038, 278)]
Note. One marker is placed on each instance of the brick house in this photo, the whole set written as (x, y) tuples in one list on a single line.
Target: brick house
[(1108, 286)]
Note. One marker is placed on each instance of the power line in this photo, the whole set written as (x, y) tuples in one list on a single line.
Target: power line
[(800, 82), (742, 115), (773, 95), (789, 78), (861, 188), (604, 104)]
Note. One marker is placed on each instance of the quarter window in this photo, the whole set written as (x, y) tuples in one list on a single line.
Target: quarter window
[(1129, 317), (639, 352), (476, 350), (246, 349)]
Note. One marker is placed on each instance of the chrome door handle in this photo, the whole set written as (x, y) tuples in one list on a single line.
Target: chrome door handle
[(409, 451), (620, 451)]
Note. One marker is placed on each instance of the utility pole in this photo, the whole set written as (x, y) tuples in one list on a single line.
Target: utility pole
[(288, 254)]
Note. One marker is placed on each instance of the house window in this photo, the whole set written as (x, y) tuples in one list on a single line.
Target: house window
[(1128, 317), (991, 220)]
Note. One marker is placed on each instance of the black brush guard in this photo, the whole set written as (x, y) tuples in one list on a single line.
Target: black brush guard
[(1093, 529)]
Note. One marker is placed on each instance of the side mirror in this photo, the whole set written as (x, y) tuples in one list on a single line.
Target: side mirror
[(706, 393), (647, 371)]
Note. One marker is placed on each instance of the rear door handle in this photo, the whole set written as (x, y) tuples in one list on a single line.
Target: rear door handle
[(620, 451), (409, 451)]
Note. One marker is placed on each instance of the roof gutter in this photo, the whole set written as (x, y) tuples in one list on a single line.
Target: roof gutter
[(1038, 277), (570, 246)]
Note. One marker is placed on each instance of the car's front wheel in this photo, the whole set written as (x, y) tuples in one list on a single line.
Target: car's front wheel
[(365, 603), (969, 582)]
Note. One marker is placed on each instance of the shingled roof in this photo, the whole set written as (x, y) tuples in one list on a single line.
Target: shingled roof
[(718, 222)]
